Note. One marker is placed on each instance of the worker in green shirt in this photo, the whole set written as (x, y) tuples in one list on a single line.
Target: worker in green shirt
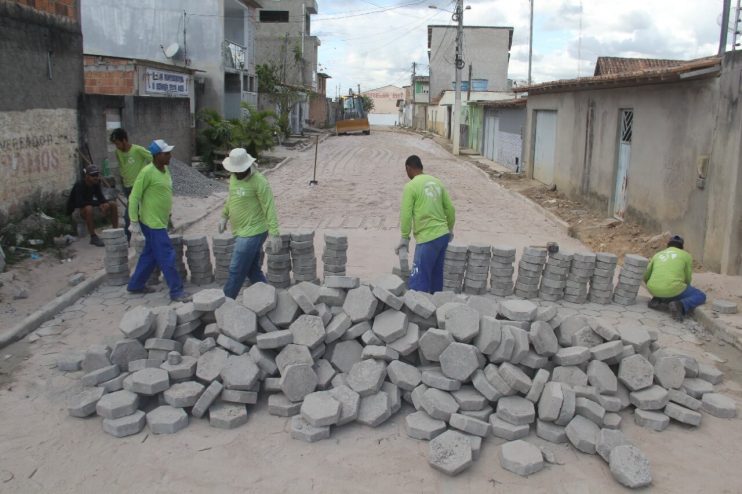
[(150, 202), (131, 158), (252, 213), (668, 277), (428, 213)]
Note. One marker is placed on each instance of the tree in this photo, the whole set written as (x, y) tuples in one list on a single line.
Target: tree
[(368, 103), (269, 82), (254, 131)]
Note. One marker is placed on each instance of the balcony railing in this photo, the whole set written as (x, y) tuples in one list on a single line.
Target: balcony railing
[(234, 55)]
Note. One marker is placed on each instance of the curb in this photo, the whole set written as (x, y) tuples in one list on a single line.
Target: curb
[(275, 168), (705, 317), (51, 309)]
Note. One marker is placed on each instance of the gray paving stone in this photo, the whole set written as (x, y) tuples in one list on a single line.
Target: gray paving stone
[(137, 322), (274, 340), (240, 372), (572, 375), (682, 414), (450, 453), (184, 370), (302, 293), (337, 327), (543, 339), (408, 343), (419, 425), (521, 458), (482, 384), (325, 372), (724, 306), (404, 375), (346, 354), (521, 345), (208, 300), (610, 403), (360, 304), (635, 336), (608, 439), (505, 430), (419, 303), (147, 382), (483, 414), (343, 282), (656, 421), (489, 336), (281, 406), (117, 404), (469, 399), (518, 310), (682, 398), (137, 365), (433, 342), (573, 355), (516, 410), (236, 321), (651, 398), (607, 350), (569, 406), (297, 381), (463, 323), (630, 467), (390, 282), (365, 377), (187, 313), (390, 325), (438, 404), (224, 415), (504, 351), (436, 379), (83, 404), (320, 409), (308, 330), (493, 376), (710, 374), (515, 378), (286, 310), (537, 385), (207, 398), (590, 410), (293, 354), (210, 364), (166, 320), (126, 350), (167, 420), (583, 434), (260, 298), (375, 409), (370, 338), (459, 361), (388, 298), (697, 387), (469, 425), (101, 375), (182, 395), (96, 357), (551, 432), (115, 384), (237, 396), (602, 377), (303, 431), (719, 405), (568, 327), (612, 421), (70, 361), (636, 372), (125, 426), (350, 403)]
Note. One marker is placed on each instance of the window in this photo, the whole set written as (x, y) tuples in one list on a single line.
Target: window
[(274, 16)]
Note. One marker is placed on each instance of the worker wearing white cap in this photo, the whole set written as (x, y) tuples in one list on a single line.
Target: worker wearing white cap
[(252, 214), (150, 202)]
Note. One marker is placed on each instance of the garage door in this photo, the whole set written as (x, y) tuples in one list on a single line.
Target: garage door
[(544, 147)]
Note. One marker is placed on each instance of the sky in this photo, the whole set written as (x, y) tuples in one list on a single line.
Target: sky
[(374, 42)]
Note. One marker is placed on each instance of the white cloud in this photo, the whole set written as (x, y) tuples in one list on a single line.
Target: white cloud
[(375, 49)]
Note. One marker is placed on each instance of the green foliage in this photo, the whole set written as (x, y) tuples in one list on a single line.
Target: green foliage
[(368, 103), (268, 78), (215, 136), (286, 97), (254, 131)]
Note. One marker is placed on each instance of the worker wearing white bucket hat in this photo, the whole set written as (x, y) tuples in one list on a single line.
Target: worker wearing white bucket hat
[(252, 214)]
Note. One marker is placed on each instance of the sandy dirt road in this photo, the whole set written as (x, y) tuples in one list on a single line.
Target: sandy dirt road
[(44, 450)]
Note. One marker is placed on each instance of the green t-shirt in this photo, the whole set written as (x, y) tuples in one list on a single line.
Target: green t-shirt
[(250, 207), (132, 162), (426, 210), (669, 272), (151, 199)]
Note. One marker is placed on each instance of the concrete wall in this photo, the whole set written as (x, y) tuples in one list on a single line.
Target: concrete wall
[(673, 126), (385, 98), (438, 120), (487, 49), (39, 96), (279, 50), (319, 110)]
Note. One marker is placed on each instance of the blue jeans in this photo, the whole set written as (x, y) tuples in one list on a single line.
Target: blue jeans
[(245, 263), (690, 299), (427, 265), (127, 221), (158, 251)]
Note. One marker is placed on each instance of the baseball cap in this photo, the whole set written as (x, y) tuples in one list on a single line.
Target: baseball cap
[(678, 239), (159, 146), (92, 170)]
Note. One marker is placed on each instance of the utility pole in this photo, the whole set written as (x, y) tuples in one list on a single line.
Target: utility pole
[(530, 44), (468, 89), (414, 93), (724, 27), (456, 124)]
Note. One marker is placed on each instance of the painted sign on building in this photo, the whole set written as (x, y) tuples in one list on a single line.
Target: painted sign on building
[(164, 82)]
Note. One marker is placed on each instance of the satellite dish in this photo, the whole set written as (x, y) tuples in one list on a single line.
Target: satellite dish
[(172, 50)]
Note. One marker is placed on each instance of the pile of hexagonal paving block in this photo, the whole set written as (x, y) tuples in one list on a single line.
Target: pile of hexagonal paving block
[(327, 356)]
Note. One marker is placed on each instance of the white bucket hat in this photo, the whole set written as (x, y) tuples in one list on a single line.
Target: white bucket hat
[(238, 161)]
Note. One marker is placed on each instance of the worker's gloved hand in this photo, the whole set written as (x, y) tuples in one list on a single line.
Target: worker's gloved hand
[(135, 230), (275, 243), (450, 237), (222, 225), (404, 243)]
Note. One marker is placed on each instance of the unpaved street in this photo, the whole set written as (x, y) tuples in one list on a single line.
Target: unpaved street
[(42, 449)]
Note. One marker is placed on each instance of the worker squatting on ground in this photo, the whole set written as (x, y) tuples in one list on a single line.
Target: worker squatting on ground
[(668, 278), (86, 195), (252, 214), (150, 202), (131, 158), (428, 213)]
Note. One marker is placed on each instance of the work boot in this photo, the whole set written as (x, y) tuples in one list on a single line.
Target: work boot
[(183, 297), (95, 240), (657, 304), (676, 310), (144, 290)]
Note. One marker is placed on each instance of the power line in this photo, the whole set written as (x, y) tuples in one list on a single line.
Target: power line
[(371, 12)]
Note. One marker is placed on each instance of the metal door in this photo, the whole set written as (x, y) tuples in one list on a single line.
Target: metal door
[(545, 145), (490, 134), (626, 126)]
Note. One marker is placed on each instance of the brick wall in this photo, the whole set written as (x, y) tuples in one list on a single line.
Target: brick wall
[(109, 76), (64, 8)]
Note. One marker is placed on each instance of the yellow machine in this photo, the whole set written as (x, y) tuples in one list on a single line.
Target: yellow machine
[(350, 116)]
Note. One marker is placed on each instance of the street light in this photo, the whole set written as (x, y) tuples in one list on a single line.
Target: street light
[(458, 16)]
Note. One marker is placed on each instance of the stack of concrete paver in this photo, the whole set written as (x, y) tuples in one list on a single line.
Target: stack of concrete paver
[(501, 270), (335, 255), (580, 273), (601, 283), (403, 270), (477, 269), (303, 259), (222, 246), (630, 279), (116, 258), (139, 243), (279, 264), (344, 352), (177, 243), (198, 256), (454, 267), (530, 267), (554, 276)]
